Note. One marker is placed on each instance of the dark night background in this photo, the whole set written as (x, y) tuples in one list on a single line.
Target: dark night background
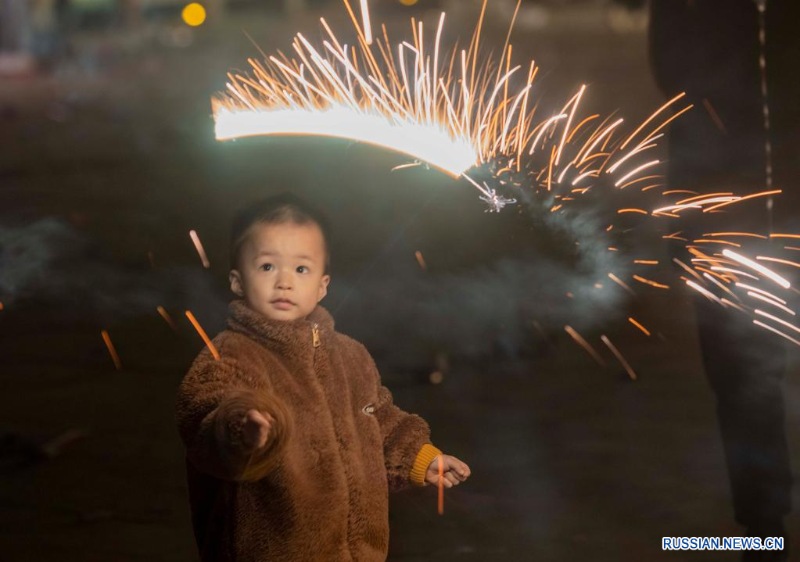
[(108, 160)]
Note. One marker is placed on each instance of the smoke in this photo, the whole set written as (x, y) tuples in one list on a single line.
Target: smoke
[(48, 261), (557, 275)]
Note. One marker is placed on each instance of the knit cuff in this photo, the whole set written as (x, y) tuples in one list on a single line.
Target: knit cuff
[(424, 459)]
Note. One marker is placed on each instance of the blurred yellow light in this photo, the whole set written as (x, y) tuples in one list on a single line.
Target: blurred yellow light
[(194, 14), (408, 2)]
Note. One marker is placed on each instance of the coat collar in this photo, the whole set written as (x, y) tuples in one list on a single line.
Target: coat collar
[(282, 336)]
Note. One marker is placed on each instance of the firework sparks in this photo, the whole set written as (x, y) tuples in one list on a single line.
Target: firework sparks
[(167, 318), (209, 344), (766, 272), (448, 108), (619, 356), (456, 111), (644, 330), (421, 260), (200, 251), (366, 22), (112, 351), (584, 344)]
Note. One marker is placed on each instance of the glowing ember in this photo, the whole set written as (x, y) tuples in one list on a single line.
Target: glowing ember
[(167, 318), (584, 344), (200, 251), (420, 260), (111, 350), (644, 330), (209, 344), (757, 267), (620, 358)]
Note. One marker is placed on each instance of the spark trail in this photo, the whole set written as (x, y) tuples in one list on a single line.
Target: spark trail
[(472, 117)]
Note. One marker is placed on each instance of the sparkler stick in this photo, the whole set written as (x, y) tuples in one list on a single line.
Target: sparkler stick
[(440, 506), (111, 350), (211, 347)]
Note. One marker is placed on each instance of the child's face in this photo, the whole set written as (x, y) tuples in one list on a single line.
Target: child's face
[(282, 270)]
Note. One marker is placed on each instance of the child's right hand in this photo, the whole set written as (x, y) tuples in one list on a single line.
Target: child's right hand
[(255, 431)]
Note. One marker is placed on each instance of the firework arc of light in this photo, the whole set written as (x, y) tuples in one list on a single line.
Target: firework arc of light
[(462, 113), (418, 140), (451, 109)]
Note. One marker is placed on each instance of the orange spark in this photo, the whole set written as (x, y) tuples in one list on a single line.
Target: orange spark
[(420, 260), (771, 329), (778, 320), (706, 293), (584, 344), (167, 318), (777, 260), (621, 283), (632, 210), (619, 357), (366, 22), (760, 268), (203, 334), (646, 262), (199, 246), (650, 282), (726, 242), (738, 199), (768, 300), (111, 350), (633, 321), (714, 115), (751, 234)]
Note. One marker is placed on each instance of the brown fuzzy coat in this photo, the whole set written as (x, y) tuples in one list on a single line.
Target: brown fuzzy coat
[(338, 444)]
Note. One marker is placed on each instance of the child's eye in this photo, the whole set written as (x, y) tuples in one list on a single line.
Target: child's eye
[(302, 269), (266, 267)]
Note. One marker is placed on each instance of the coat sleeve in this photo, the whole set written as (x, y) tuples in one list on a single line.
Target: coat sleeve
[(404, 434), (212, 401)]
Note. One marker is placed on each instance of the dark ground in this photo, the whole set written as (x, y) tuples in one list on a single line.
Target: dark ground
[(570, 461)]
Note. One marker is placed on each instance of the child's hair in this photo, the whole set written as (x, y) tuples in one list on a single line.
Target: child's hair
[(277, 209)]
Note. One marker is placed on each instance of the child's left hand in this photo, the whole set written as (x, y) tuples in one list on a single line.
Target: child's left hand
[(455, 471)]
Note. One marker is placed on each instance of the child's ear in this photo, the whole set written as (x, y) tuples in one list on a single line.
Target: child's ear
[(323, 287), (236, 283)]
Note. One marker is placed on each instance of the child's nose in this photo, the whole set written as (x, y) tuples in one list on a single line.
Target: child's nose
[(284, 281)]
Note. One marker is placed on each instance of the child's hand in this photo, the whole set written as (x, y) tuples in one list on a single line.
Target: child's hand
[(255, 430), (455, 471)]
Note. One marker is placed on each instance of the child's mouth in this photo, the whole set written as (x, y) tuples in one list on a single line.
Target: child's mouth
[(282, 304)]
